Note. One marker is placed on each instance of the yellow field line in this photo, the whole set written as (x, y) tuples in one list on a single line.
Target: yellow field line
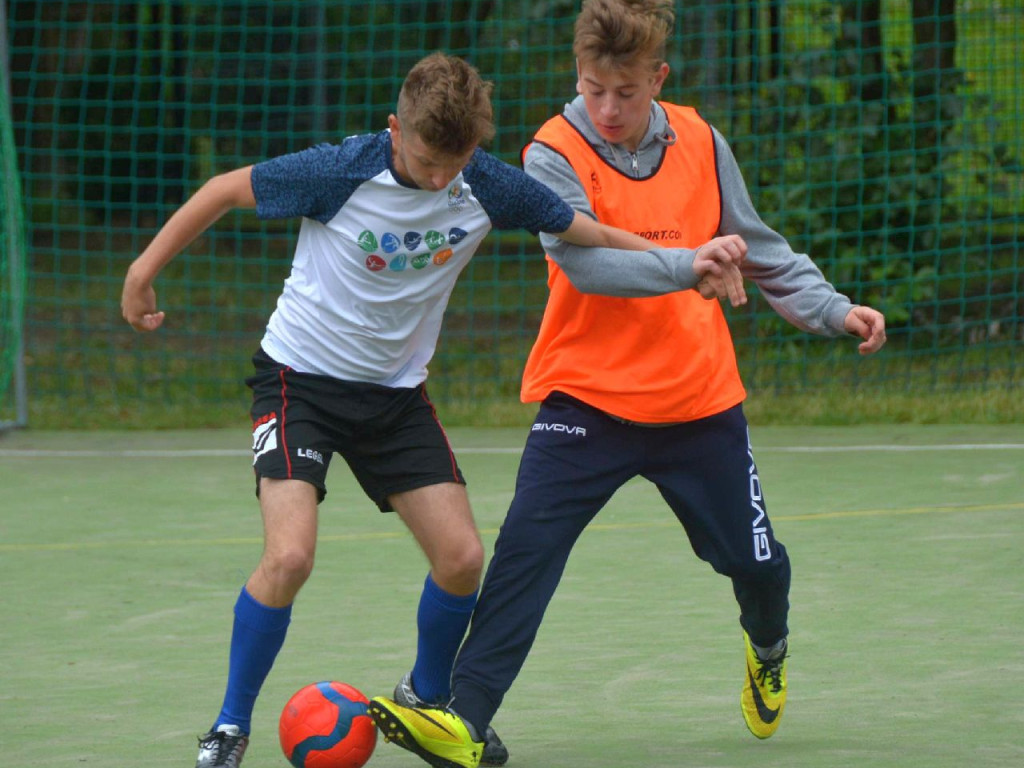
[(903, 511), (246, 540), (832, 515), (72, 546)]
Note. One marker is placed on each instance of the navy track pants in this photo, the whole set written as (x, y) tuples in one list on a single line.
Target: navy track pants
[(575, 458)]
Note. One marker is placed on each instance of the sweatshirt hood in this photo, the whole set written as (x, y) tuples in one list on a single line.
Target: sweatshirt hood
[(659, 135)]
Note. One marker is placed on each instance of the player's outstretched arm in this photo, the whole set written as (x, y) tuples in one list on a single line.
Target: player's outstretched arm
[(869, 324), (586, 231), (215, 198), (716, 262)]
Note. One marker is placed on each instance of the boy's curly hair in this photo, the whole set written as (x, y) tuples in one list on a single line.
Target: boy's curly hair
[(616, 34), (447, 104)]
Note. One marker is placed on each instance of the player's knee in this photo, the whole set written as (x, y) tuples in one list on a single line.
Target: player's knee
[(459, 569), (468, 562), (288, 567)]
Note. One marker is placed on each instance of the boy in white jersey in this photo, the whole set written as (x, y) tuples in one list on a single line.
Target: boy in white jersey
[(388, 222)]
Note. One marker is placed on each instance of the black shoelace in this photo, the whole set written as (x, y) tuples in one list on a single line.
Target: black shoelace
[(224, 743), (771, 672)]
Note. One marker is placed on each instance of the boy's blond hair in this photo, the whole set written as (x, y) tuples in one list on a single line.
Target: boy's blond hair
[(616, 34), (447, 104)]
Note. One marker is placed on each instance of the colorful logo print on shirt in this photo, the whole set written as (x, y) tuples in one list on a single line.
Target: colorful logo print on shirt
[(456, 199), (398, 250), (367, 241), (434, 239)]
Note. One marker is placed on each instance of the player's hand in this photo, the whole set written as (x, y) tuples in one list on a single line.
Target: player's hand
[(728, 285), (138, 305), (717, 264), (869, 324)]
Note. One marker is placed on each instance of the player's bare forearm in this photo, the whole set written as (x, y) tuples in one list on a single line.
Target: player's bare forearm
[(215, 198), (587, 232)]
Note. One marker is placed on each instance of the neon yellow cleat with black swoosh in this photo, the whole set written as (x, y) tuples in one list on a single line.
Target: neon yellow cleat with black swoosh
[(764, 692), (437, 735)]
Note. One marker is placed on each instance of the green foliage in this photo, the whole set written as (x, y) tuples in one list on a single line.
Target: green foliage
[(884, 194), (903, 181)]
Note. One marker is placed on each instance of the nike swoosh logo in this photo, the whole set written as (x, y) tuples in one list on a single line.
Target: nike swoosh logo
[(766, 713), (439, 724)]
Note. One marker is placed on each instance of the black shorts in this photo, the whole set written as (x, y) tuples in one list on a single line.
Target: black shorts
[(389, 436)]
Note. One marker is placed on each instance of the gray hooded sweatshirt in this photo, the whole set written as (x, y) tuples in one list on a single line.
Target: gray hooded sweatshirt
[(790, 281)]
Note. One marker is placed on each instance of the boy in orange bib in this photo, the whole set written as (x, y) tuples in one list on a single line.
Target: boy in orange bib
[(636, 378)]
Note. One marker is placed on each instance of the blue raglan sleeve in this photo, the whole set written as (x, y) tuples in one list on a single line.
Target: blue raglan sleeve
[(315, 182), (514, 200)]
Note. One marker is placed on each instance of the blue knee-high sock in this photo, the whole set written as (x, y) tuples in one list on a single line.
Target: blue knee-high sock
[(256, 637), (441, 621)]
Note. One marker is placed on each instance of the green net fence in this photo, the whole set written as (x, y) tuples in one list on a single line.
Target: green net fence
[(13, 404), (885, 139)]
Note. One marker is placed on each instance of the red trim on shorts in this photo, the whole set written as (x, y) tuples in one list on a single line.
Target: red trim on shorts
[(284, 410), (451, 453)]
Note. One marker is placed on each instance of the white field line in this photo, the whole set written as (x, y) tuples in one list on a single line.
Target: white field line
[(188, 453)]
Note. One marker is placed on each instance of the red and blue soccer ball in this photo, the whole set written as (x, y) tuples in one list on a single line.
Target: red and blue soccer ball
[(325, 725)]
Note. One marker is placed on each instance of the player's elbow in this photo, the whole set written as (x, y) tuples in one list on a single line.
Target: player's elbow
[(232, 189)]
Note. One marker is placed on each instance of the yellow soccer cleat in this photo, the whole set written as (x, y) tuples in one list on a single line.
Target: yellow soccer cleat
[(437, 735), (495, 752), (764, 692)]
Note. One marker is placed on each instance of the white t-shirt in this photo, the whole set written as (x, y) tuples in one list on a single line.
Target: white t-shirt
[(376, 259)]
